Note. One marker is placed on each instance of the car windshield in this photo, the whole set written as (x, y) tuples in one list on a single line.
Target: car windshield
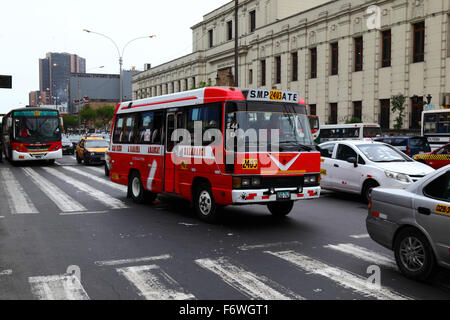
[(36, 129), (256, 120), (418, 142), (96, 144), (383, 153)]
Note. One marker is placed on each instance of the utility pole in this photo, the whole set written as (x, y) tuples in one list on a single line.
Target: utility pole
[(236, 44)]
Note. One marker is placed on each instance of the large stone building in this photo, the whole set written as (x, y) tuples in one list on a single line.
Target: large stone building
[(345, 59)]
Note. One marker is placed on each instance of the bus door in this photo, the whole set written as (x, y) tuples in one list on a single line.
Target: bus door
[(173, 121)]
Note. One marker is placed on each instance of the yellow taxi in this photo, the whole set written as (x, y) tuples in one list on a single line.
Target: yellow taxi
[(91, 150), (437, 159)]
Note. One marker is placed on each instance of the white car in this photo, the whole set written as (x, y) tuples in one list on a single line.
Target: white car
[(359, 166)]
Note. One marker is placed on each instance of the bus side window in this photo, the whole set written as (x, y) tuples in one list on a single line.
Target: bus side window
[(157, 133), (118, 129)]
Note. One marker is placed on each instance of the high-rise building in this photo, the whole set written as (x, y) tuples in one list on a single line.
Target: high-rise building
[(54, 74)]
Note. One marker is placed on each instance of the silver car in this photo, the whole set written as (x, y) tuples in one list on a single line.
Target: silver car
[(415, 223)]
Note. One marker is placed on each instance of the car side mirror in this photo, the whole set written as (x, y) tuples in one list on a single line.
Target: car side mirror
[(353, 160)]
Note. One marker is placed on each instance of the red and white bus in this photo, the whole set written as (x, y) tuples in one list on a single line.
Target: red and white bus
[(32, 134), (208, 146)]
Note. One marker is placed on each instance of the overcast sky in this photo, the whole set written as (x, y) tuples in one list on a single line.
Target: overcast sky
[(30, 28)]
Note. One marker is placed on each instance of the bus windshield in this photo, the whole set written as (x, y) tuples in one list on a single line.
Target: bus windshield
[(36, 129), (435, 123), (371, 132), (257, 119)]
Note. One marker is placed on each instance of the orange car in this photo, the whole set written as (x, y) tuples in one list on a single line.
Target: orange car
[(436, 159)]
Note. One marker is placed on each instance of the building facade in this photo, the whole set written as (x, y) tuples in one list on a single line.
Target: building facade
[(347, 58), (99, 88), (54, 74)]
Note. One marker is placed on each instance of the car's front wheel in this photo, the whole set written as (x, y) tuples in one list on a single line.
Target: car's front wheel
[(414, 255), (366, 193)]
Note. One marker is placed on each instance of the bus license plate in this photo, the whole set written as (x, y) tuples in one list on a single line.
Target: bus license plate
[(283, 195)]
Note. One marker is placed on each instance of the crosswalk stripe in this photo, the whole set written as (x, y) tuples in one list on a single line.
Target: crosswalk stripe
[(360, 236), (103, 181), (129, 261), (96, 169), (254, 286), (104, 198), (59, 287), (64, 202), (364, 254), (19, 202), (6, 272), (154, 284), (340, 276)]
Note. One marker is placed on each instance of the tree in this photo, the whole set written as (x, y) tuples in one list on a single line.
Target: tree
[(398, 105), (87, 114), (105, 114), (70, 121)]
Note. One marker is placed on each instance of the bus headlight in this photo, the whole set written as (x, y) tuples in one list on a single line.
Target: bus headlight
[(256, 181), (246, 182)]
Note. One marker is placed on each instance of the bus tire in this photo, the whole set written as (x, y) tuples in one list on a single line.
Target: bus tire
[(280, 209), (135, 187), (51, 162), (204, 203)]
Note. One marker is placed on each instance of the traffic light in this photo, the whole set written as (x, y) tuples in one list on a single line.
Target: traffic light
[(6, 82)]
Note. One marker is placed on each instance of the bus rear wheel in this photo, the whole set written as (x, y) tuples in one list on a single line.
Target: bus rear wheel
[(204, 203), (280, 209)]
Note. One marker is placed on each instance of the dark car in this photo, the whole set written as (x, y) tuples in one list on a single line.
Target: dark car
[(410, 145), (67, 146)]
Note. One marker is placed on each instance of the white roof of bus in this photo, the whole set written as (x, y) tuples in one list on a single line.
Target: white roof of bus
[(436, 111), (172, 100), (349, 125)]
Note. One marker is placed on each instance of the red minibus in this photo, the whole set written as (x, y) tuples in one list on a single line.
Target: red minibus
[(217, 146)]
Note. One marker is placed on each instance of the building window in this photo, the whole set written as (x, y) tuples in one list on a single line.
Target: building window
[(385, 113), (186, 84), (416, 112), (263, 72), (313, 53), (211, 38), (419, 42), (357, 110), (294, 58), (386, 42), (250, 76), (252, 20), (333, 113), (359, 54), (229, 30), (278, 69), (334, 58), (193, 82), (312, 110)]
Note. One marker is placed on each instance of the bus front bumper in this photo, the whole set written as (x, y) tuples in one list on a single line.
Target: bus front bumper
[(25, 156), (263, 195)]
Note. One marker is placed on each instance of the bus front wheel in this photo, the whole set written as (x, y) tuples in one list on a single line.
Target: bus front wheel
[(280, 209), (135, 188), (204, 203)]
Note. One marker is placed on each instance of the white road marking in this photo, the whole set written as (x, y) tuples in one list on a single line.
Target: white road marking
[(60, 287), (2, 217), (97, 169), (364, 254), (6, 272), (19, 202), (154, 284), (132, 261), (82, 212), (360, 236), (64, 202), (104, 198), (252, 285), (267, 245), (103, 181), (344, 278)]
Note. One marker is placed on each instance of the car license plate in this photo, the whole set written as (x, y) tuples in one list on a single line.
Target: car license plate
[(283, 195)]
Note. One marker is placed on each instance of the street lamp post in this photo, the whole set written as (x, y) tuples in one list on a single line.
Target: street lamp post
[(120, 54)]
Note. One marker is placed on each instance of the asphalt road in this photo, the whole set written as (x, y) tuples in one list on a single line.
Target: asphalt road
[(67, 232)]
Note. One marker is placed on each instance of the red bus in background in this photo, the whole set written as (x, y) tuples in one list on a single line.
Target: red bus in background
[(208, 146), (32, 134)]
